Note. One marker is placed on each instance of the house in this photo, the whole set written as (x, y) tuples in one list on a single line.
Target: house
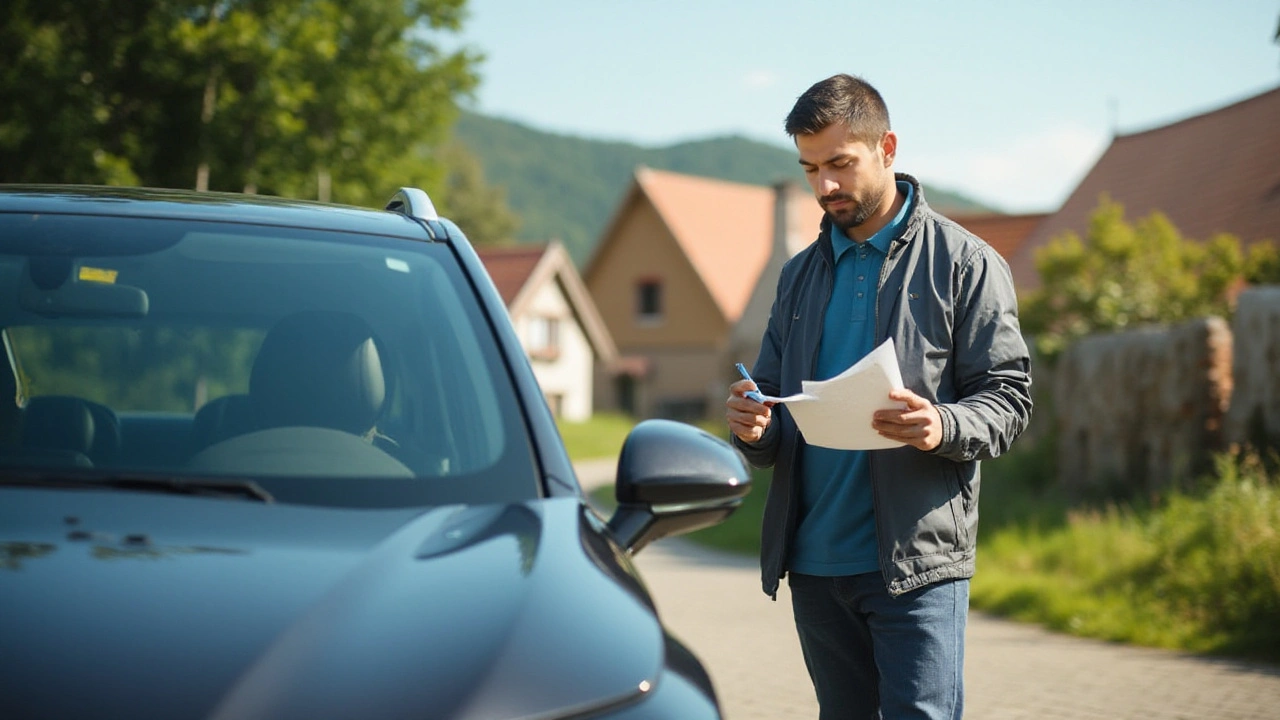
[(557, 322), (1218, 172), (679, 277)]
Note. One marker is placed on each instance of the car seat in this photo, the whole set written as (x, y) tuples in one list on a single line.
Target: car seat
[(318, 369), (219, 419), (316, 392), (60, 429)]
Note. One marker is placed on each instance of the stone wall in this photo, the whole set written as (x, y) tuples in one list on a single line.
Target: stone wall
[(1254, 416), (1142, 410)]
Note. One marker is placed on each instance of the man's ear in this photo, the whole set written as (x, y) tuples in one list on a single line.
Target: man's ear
[(889, 147)]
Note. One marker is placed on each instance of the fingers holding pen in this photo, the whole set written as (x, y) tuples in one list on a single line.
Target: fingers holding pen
[(747, 418)]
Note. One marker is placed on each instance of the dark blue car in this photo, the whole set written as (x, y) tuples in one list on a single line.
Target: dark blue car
[(263, 458)]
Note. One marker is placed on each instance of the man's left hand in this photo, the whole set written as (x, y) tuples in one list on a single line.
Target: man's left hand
[(919, 425)]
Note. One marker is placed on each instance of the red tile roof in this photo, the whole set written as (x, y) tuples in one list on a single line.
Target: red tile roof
[(511, 267), (1005, 233), (1212, 173), (520, 271)]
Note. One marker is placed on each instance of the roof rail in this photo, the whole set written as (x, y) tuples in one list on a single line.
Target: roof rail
[(414, 203)]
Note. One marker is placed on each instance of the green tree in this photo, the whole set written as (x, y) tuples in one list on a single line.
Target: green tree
[(1262, 264), (1122, 275), (479, 208), (307, 98), (72, 85)]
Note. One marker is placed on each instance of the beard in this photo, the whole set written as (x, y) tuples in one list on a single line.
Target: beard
[(862, 206)]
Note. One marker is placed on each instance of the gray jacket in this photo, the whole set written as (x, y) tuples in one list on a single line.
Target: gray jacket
[(947, 300)]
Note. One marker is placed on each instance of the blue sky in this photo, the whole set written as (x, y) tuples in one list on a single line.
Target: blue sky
[(1009, 102)]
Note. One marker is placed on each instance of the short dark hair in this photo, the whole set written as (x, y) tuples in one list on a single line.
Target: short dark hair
[(840, 98)]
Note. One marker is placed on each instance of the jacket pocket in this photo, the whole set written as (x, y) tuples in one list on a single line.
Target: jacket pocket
[(958, 510)]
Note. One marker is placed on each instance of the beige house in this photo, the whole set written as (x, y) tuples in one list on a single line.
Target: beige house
[(683, 277), (556, 321)]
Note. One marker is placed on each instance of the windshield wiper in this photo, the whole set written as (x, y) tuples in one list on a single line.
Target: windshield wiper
[(246, 489)]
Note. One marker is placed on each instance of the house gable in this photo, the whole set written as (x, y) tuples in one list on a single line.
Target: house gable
[(724, 228), (639, 247), (556, 321)]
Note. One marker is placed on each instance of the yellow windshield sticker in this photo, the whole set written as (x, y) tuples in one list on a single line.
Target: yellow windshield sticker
[(100, 275)]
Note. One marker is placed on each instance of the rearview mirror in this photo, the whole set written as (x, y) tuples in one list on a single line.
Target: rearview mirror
[(48, 287)]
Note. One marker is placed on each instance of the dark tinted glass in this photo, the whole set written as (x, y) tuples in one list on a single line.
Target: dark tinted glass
[(330, 368)]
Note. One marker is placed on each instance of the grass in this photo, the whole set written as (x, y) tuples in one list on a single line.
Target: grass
[(602, 436), (599, 437), (1196, 570)]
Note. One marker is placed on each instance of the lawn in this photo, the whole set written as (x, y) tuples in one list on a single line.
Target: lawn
[(599, 437), (1194, 570)]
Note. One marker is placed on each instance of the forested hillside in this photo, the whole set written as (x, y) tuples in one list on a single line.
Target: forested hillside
[(567, 187)]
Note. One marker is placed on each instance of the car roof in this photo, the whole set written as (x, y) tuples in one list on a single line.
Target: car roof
[(215, 206)]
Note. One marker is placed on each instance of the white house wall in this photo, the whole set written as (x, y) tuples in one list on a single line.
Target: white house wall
[(568, 375)]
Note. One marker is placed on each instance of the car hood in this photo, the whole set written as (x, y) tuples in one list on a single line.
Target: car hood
[(139, 605)]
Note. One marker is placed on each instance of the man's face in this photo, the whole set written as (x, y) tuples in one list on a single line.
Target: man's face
[(849, 177)]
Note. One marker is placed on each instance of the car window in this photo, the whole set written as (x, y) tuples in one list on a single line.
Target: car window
[(329, 367)]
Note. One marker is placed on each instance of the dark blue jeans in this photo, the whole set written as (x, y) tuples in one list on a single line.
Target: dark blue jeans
[(872, 655)]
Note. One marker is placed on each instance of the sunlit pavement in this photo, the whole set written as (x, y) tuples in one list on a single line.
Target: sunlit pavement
[(712, 601)]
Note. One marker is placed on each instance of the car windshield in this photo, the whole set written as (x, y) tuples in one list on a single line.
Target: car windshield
[(326, 367)]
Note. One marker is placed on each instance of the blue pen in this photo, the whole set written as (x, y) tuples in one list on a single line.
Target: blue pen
[(753, 394)]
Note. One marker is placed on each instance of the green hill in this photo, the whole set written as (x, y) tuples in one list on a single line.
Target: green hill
[(568, 187)]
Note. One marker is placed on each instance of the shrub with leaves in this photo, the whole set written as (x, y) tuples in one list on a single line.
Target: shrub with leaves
[(1122, 275)]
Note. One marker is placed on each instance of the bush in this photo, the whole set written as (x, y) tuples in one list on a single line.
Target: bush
[(1122, 275), (1197, 571)]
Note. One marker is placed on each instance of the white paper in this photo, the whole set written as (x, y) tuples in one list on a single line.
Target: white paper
[(837, 413)]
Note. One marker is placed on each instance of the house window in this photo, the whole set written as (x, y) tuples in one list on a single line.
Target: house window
[(542, 338), (649, 300)]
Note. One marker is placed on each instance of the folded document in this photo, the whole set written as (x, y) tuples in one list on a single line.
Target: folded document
[(837, 413)]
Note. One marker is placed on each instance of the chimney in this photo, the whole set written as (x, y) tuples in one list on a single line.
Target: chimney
[(790, 236)]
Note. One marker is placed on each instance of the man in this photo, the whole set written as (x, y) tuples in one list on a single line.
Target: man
[(878, 546)]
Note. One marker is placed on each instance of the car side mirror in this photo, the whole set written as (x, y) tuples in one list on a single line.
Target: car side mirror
[(672, 479)]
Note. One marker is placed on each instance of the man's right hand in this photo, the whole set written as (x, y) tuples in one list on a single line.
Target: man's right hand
[(747, 418)]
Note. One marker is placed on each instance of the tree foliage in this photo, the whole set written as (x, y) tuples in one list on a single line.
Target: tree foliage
[(480, 209), (337, 99), (154, 368), (1123, 274)]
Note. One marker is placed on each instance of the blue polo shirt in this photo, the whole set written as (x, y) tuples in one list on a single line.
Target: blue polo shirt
[(837, 531)]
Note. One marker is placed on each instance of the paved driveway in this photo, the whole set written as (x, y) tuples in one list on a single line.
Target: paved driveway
[(712, 601)]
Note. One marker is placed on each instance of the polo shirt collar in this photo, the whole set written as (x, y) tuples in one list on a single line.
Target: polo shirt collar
[(884, 237)]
